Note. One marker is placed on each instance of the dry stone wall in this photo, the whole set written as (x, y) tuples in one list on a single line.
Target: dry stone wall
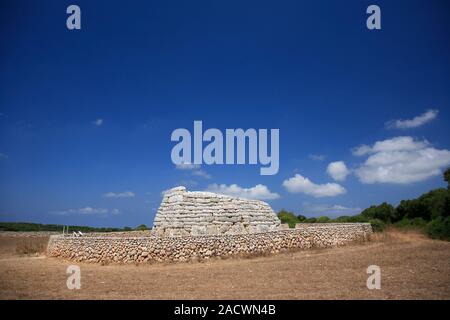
[(185, 213), (148, 249)]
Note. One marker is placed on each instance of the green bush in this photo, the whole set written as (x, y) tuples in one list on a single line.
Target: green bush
[(141, 227), (384, 212), (288, 217), (416, 223), (428, 206), (404, 223), (352, 219), (359, 218), (343, 219), (447, 177), (323, 219), (439, 228), (377, 225)]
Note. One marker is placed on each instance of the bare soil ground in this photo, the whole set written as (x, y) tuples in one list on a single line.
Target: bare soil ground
[(412, 267)]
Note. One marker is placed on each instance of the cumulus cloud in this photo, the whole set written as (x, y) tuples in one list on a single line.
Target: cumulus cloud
[(403, 143), (85, 211), (361, 150), (202, 174), (401, 160), (317, 157), (259, 192), (98, 122), (415, 122), (125, 194), (194, 170), (187, 166), (338, 170), (300, 184), (329, 210)]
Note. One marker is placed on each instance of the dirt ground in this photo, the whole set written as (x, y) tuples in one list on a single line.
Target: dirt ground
[(412, 267)]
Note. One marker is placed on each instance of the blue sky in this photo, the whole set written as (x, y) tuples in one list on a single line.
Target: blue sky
[(86, 115)]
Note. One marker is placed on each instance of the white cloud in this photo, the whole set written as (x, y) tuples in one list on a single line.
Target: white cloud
[(317, 157), (201, 173), (83, 211), (126, 194), (259, 192), (115, 211), (361, 150), (402, 160), (338, 170), (3, 156), (415, 122), (403, 143), (195, 170), (187, 166), (98, 122), (300, 184), (329, 210)]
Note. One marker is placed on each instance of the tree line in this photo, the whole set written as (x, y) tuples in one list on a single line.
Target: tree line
[(29, 226)]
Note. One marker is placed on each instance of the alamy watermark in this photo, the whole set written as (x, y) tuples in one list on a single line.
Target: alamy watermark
[(74, 279), (374, 280), (373, 22), (234, 152)]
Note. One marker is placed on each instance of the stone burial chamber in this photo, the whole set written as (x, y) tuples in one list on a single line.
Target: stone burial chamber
[(196, 226), (195, 213)]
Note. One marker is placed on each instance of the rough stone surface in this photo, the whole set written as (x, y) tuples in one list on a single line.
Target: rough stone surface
[(186, 213), (151, 248)]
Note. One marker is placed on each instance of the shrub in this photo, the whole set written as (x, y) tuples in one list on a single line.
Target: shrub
[(343, 219), (358, 218), (141, 227), (447, 177), (428, 206), (377, 225), (439, 228), (384, 212), (404, 223), (418, 222), (288, 217), (415, 223), (323, 219)]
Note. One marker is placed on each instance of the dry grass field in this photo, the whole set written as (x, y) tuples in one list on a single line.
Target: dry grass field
[(412, 267)]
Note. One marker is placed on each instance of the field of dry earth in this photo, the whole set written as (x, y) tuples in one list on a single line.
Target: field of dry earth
[(412, 267)]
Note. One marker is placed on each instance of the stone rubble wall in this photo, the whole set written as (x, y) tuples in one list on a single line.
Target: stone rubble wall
[(187, 213), (149, 249)]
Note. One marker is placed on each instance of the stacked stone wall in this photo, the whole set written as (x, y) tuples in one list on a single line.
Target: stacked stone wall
[(148, 249)]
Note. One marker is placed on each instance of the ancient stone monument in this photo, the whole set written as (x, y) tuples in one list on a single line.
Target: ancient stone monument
[(195, 226), (186, 213)]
